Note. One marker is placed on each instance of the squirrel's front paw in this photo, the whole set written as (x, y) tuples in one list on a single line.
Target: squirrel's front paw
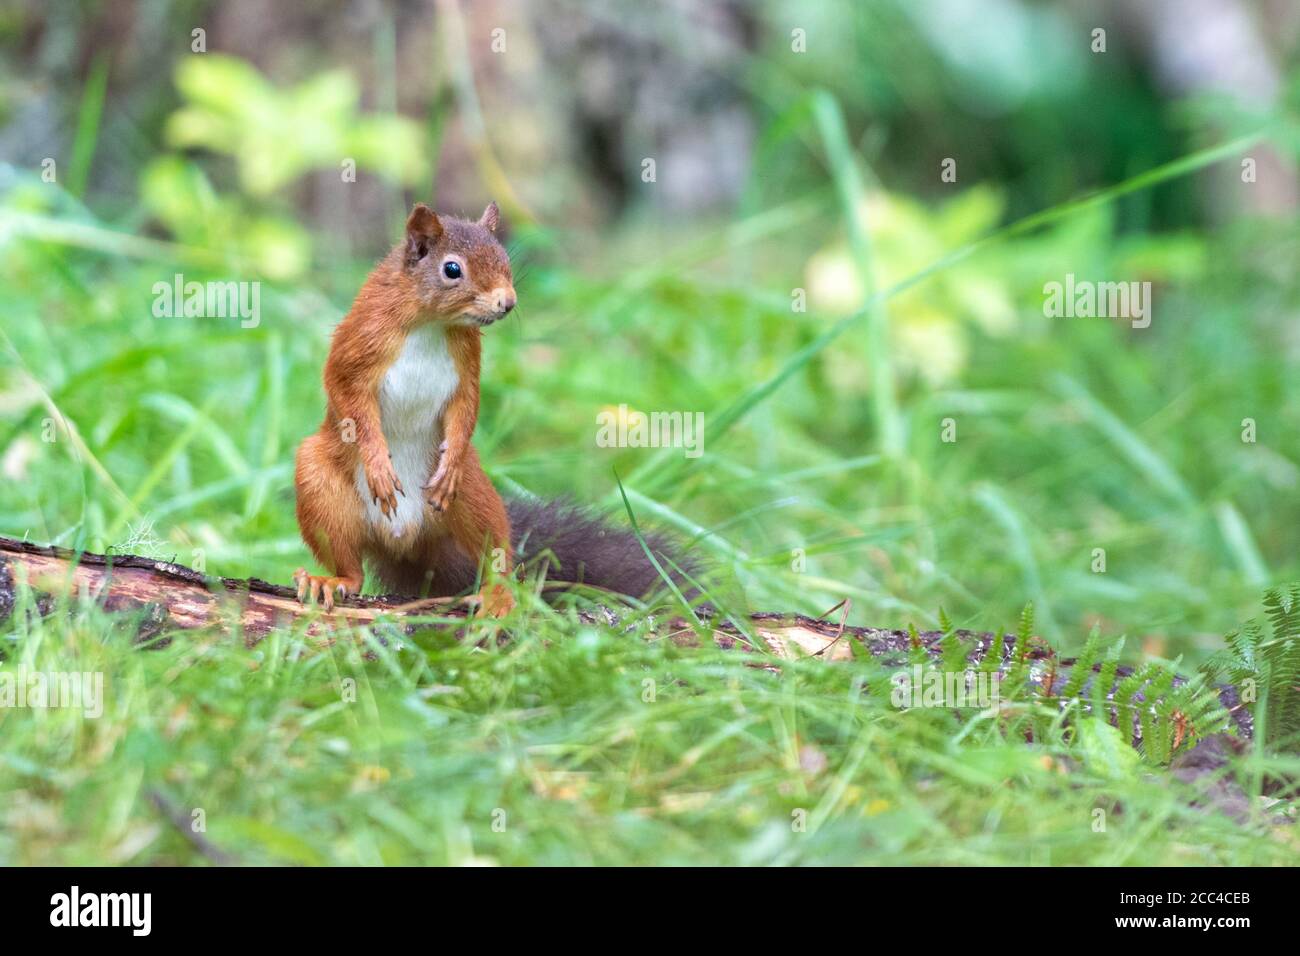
[(321, 589), (441, 488), (384, 485)]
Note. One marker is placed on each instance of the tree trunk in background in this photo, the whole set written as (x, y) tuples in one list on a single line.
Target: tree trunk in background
[(1222, 47)]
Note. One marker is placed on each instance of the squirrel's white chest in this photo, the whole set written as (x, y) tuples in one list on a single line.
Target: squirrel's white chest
[(412, 397), (417, 386)]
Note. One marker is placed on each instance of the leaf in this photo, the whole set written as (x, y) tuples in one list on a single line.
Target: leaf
[(277, 134), (1104, 750)]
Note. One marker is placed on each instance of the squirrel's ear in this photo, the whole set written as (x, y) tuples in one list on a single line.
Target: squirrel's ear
[(491, 217), (422, 230)]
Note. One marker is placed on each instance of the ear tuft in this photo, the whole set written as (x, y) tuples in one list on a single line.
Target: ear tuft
[(491, 217), (423, 229)]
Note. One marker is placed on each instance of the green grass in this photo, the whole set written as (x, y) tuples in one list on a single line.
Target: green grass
[(175, 437), (568, 745)]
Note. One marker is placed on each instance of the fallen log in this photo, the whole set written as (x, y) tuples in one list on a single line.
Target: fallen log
[(168, 598), (177, 597)]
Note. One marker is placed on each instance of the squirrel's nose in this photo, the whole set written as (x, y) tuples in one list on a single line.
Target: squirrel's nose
[(505, 300)]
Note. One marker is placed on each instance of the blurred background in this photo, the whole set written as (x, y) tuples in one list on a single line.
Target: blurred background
[(701, 200)]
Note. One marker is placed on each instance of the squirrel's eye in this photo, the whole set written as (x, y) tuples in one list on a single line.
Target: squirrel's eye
[(451, 269)]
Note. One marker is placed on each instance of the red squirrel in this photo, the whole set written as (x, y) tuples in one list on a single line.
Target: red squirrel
[(391, 478), (391, 475)]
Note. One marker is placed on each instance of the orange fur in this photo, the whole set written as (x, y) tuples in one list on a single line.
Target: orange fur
[(461, 514)]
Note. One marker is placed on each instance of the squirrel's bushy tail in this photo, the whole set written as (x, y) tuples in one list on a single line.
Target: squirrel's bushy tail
[(585, 549)]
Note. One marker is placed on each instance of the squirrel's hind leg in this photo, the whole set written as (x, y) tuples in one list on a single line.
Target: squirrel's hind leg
[(330, 519), (480, 528)]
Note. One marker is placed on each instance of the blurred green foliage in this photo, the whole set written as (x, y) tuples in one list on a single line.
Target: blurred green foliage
[(276, 135)]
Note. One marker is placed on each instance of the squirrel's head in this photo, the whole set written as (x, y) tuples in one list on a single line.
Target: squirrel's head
[(461, 270)]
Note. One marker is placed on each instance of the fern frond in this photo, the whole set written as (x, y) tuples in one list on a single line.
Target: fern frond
[(1083, 664), (1026, 631), (1197, 709), (1124, 694), (1103, 688), (1243, 643), (953, 652), (992, 662), (1283, 610), (1155, 716), (1284, 683)]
